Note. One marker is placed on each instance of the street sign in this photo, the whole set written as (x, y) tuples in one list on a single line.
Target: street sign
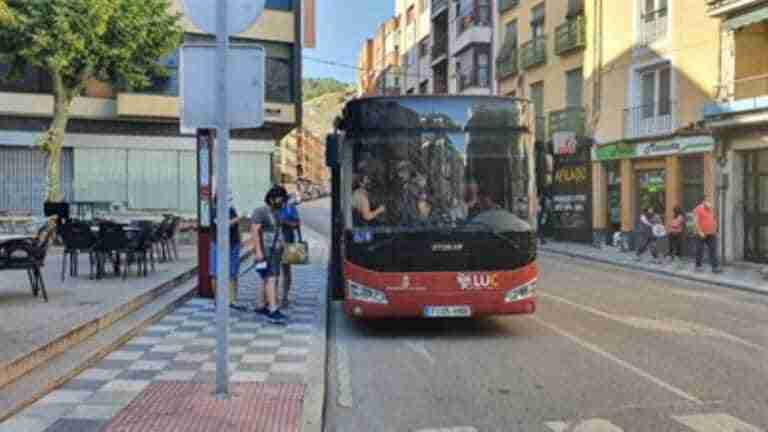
[(245, 85), (241, 14)]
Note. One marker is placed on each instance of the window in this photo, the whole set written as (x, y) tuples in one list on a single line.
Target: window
[(537, 98), (279, 72), (510, 32), (279, 4), (424, 47), (537, 21), (34, 81), (169, 84), (483, 13), (654, 20), (656, 92), (573, 88), (575, 7), (483, 70)]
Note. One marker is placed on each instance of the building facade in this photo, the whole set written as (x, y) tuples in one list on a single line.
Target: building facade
[(432, 47), (650, 67), (739, 122), (124, 146)]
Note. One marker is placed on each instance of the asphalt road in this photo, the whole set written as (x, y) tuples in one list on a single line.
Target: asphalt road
[(607, 351)]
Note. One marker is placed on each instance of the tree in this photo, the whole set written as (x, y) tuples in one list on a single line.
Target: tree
[(5, 13), (114, 41)]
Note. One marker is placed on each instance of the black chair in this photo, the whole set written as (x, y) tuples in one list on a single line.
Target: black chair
[(153, 239), (29, 255), (138, 249), (169, 236), (112, 240), (78, 238), (158, 239)]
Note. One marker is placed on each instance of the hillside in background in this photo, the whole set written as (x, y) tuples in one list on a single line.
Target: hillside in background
[(316, 87)]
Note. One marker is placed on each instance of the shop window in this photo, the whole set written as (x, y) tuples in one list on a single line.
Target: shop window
[(614, 195)]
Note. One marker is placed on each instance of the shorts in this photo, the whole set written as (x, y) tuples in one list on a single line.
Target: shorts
[(234, 261), (274, 263)]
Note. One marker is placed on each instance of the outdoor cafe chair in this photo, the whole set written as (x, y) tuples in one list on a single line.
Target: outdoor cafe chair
[(78, 238), (112, 239), (29, 255)]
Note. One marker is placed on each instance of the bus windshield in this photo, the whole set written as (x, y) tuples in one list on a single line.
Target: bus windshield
[(434, 179)]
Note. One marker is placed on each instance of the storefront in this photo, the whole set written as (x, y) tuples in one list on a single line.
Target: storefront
[(631, 177)]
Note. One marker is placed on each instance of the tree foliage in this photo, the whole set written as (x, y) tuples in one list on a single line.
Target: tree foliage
[(75, 41), (5, 13), (316, 87)]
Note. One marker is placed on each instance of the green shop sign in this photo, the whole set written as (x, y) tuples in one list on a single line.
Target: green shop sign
[(625, 150)]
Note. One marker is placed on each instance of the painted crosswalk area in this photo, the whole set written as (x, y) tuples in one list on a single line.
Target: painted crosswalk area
[(713, 422)]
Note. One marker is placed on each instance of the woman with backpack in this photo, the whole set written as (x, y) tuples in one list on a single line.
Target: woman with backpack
[(676, 234)]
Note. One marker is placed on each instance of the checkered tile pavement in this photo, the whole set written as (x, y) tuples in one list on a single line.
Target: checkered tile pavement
[(181, 347)]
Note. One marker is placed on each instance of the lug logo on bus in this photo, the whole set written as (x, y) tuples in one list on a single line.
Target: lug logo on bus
[(477, 281), (405, 285)]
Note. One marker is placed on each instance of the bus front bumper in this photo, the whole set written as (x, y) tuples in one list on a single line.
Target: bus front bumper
[(411, 306)]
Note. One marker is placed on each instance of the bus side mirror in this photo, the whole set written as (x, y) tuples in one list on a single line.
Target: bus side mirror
[(332, 151)]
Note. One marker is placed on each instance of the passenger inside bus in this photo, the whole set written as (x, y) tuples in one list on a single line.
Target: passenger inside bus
[(361, 203)]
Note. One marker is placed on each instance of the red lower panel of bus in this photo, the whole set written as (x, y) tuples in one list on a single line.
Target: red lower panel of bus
[(443, 294)]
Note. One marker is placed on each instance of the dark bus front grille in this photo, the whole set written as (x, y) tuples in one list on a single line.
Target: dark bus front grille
[(414, 252)]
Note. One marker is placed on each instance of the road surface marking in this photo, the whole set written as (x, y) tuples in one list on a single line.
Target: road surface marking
[(715, 423), (343, 376), (620, 362), (593, 425), (419, 348), (666, 325)]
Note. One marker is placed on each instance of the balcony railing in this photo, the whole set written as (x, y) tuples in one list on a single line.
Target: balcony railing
[(477, 77), (571, 119), (440, 48), (480, 17), (658, 118), (751, 87), (722, 5), (541, 128), (506, 63), (505, 5), (534, 52), (654, 27), (571, 35)]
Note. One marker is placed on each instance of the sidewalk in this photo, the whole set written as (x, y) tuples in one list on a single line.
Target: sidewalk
[(732, 277), (163, 379)]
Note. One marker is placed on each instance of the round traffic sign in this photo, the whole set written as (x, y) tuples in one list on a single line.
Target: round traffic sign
[(241, 14)]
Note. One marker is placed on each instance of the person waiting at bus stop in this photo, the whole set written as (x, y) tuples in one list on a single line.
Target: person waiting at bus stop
[(289, 216), (268, 240), (234, 250)]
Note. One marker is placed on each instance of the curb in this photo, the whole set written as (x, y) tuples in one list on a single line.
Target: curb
[(312, 413), (659, 271)]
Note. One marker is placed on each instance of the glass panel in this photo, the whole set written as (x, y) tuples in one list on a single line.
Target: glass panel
[(664, 91), (652, 190), (573, 88), (762, 198), (648, 93), (280, 82), (537, 97), (510, 34)]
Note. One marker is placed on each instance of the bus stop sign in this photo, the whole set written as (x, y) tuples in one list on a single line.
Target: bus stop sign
[(241, 14)]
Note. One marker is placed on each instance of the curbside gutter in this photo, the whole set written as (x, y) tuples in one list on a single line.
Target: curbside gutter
[(660, 271)]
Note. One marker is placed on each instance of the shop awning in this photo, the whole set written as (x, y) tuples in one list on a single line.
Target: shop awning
[(746, 19)]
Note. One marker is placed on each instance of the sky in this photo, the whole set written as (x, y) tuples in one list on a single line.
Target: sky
[(342, 26)]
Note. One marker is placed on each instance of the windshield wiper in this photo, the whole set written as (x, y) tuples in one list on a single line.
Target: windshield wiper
[(495, 233)]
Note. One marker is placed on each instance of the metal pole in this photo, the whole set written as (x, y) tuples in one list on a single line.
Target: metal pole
[(221, 163)]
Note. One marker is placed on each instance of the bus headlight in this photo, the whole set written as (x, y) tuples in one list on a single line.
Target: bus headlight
[(521, 292), (355, 291)]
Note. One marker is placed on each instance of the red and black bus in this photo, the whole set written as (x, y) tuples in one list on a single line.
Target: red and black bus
[(432, 207)]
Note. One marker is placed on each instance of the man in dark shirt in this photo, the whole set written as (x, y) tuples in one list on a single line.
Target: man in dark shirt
[(234, 250)]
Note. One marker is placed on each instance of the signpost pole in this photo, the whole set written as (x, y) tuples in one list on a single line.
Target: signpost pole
[(204, 152), (222, 205)]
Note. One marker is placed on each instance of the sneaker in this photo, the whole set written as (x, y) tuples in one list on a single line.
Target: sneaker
[(277, 317), (263, 311), (698, 268), (238, 307)]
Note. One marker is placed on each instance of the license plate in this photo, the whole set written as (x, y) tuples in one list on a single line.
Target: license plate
[(447, 311)]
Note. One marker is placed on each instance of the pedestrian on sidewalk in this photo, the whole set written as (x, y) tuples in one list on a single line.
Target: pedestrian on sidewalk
[(268, 240), (291, 222), (647, 222), (234, 250), (543, 217), (706, 231), (676, 234)]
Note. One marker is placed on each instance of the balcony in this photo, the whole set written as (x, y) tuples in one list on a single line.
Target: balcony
[(534, 52), (723, 7), (571, 119), (471, 30), (476, 78), (570, 36), (654, 26), (471, 20), (506, 63), (655, 119), (439, 6), (747, 95), (505, 5)]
